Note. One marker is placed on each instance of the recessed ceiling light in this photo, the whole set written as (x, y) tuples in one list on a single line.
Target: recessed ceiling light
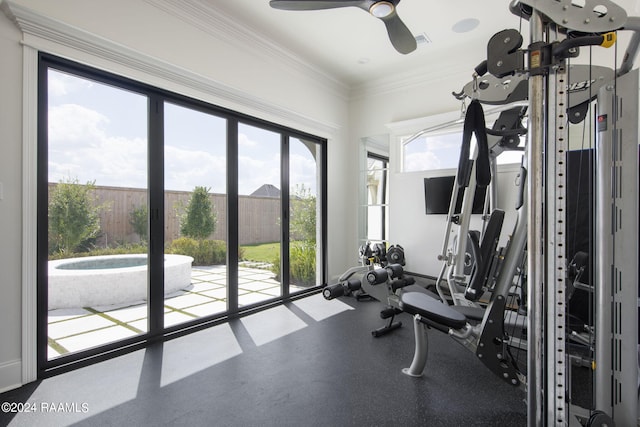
[(465, 25)]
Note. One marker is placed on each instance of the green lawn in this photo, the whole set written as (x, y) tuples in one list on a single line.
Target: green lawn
[(265, 252)]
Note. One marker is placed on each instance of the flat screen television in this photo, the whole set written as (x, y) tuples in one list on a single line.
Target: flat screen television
[(437, 196)]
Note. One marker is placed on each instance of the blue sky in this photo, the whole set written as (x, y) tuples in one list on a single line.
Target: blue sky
[(98, 132)]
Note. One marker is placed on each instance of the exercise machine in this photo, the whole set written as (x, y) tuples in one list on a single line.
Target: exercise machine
[(558, 29), (380, 277)]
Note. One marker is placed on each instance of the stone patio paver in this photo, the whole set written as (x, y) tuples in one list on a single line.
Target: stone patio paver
[(73, 330)]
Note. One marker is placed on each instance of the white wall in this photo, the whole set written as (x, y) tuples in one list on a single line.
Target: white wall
[(138, 39), (377, 109), (10, 203), (422, 235), (399, 98)]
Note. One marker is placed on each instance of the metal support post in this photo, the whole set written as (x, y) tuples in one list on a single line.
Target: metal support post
[(616, 251), (555, 291), (535, 146)]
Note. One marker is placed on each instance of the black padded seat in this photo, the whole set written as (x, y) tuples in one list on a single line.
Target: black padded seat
[(420, 289), (431, 309), (473, 313)]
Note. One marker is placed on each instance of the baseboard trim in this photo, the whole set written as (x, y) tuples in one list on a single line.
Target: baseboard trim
[(10, 375)]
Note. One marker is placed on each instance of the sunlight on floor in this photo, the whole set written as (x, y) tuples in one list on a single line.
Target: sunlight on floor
[(163, 363)]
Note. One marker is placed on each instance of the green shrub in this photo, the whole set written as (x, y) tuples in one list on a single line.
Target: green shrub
[(183, 246), (138, 221), (303, 214), (203, 252), (74, 218), (199, 219), (302, 263)]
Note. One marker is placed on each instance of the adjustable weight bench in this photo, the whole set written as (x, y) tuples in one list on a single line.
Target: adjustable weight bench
[(427, 311), (487, 337)]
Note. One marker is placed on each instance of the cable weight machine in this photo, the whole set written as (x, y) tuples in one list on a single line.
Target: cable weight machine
[(559, 94), (557, 28)]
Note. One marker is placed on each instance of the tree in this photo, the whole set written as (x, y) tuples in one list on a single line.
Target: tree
[(138, 221), (74, 219), (199, 219), (303, 214)]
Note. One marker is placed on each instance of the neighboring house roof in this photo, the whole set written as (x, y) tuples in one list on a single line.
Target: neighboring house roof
[(267, 190)]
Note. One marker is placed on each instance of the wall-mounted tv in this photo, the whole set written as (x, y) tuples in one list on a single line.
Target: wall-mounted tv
[(437, 196)]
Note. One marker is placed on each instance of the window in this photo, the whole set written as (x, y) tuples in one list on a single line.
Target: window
[(432, 152), (440, 149), (175, 212), (377, 208), (195, 199), (304, 231), (259, 207), (96, 182)]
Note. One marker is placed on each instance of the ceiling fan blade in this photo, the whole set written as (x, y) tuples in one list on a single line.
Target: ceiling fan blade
[(400, 36), (314, 4)]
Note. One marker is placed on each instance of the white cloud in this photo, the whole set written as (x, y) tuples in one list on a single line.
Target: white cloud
[(302, 170), (445, 142), (80, 148), (255, 172), (60, 84), (57, 87), (245, 141), (186, 169), (421, 161), (75, 125)]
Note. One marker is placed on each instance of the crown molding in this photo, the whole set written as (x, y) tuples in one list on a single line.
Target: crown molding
[(214, 22), (408, 80), (49, 35), (221, 26), (201, 15)]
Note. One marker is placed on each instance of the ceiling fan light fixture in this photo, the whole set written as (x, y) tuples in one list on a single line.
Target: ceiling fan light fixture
[(381, 9)]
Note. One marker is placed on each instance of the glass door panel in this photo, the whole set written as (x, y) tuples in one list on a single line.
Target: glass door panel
[(259, 212), (304, 208), (97, 221), (195, 200), (377, 208)]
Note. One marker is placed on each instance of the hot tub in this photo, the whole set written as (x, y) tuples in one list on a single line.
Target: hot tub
[(110, 279)]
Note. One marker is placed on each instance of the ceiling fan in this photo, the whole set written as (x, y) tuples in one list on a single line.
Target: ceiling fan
[(400, 36)]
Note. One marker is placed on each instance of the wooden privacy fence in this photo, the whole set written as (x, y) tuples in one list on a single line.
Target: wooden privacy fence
[(258, 217)]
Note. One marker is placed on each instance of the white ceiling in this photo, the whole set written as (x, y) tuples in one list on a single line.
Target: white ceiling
[(339, 40), (353, 47)]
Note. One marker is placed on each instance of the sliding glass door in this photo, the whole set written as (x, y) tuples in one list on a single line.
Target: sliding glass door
[(195, 219), (304, 214), (158, 212), (259, 214), (96, 185), (377, 198)]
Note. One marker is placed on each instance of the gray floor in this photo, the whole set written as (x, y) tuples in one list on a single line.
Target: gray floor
[(308, 363)]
